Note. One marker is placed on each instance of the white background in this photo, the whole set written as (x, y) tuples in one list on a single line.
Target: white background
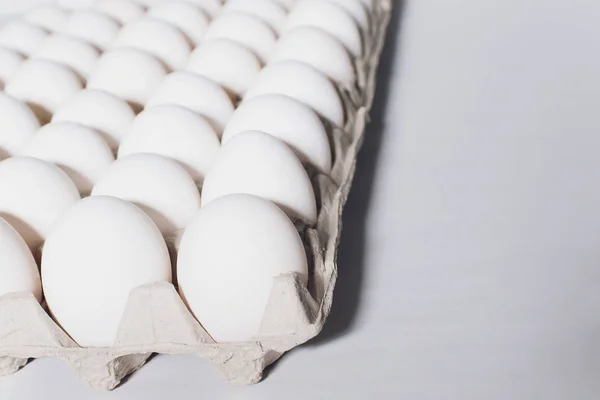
[(470, 262)]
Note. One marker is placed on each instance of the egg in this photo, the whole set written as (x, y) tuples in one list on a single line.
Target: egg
[(70, 51), (226, 62), (131, 74), (44, 85), (301, 82), (106, 113), (158, 185), (18, 270), (78, 150), (197, 93), (329, 17), (190, 19), (76, 4), (357, 10), (18, 124), (210, 7), (22, 36), (158, 38), (245, 29), (227, 261), (99, 252), (257, 163), (288, 120), (176, 132), (319, 49), (268, 11), (48, 16), (93, 26), (35, 195), (10, 61), (287, 4), (122, 11)]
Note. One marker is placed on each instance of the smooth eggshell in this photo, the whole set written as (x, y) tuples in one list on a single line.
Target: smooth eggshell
[(226, 62), (319, 49), (288, 120), (301, 82), (287, 4), (35, 195), (159, 38), (331, 18), (190, 19), (357, 10), (22, 36), (268, 11), (18, 270), (197, 93), (10, 61), (17, 124), (158, 185), (44, 85), (259, 164), (122, 11), (131, 74), (103, 249), (93, 26), (48, 16), (228, 258), (78, 150), (70, 51), (245, 29), (106, 113), (176, 132)]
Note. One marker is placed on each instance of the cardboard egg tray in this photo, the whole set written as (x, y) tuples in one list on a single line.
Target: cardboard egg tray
[(157, 321)]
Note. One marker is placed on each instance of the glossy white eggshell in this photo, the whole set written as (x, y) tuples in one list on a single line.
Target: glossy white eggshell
[(159, 38), (93, 26), (228, 258), (121, 10), (78, 150), (48, 16), (245, 29), (35, 195), (10, 61), (268, 11), (106, 113), (22, 36), (226, 62), (288, 120), (158, 185), (319, 49), (103, 249), (18, 270), (69, 50), (197, 93), (304, 83), (357, 10), (185, 16), (260, 164), (17, 124), (131, 74), (175, 132)]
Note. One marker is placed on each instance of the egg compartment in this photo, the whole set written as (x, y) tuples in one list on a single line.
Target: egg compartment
[(156, 319)]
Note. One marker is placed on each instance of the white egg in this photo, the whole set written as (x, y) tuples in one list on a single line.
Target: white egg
[(259, 164), (158, 38), (131, 74), (35, 195), (48, 16), (78, 150), (319, 49), (10, 61), (44, 85), (175, 132), (22, 36), (228, 259), (18, 123), (301, 82), (190, 19), (18, 270), (197, 93), (122, 11), (106, 113), (226, 62), (71, 51), (287, 4), (288, 120), (103, 249), (93, 26), (329, 17), (357, 10), (76, 4), (158, 185), (268, 11), (210, 7), (245, 29)]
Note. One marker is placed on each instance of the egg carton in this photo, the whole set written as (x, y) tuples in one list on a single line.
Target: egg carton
[(156, 320)]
